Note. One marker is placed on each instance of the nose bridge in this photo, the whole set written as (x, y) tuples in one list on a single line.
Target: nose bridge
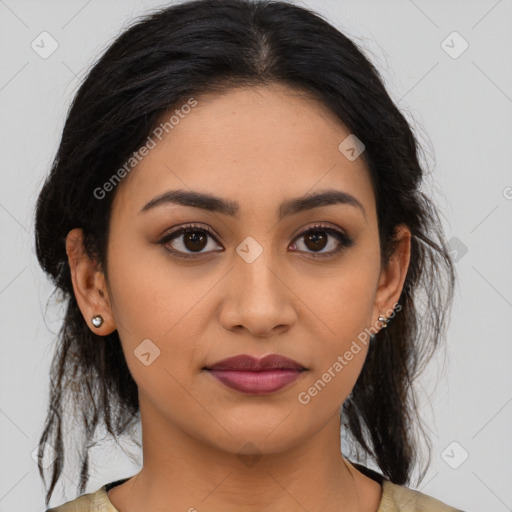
[(259, 299), (257, 274)]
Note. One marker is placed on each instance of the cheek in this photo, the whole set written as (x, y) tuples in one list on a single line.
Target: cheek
[(337, 366), (150, 295), (344, 307), (342, 300), (160, 310)]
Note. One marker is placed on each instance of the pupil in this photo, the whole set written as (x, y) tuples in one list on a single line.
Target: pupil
[(197, 239), (318, 240)]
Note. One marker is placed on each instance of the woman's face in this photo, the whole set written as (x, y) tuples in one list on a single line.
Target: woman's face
[(257, 283)]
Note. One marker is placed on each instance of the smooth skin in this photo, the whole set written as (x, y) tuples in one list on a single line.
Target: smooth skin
[(257, 146)]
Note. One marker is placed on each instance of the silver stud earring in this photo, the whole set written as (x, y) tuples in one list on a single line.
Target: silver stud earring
[(383, 320), (97, 320)]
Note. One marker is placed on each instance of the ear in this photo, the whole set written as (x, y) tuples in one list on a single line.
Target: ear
[(392, 277), (89, 284)]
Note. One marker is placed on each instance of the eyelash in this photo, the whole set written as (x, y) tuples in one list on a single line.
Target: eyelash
[(343, 238)]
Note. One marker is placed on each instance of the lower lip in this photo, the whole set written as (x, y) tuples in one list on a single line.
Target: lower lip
[(256, 382)]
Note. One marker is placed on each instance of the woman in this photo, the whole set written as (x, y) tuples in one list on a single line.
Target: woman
[(234, 219)]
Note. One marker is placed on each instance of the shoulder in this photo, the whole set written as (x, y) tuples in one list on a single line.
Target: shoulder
[(91, 502), (398, 498)]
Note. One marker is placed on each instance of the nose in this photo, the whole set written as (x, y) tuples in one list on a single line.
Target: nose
[(258, 299)]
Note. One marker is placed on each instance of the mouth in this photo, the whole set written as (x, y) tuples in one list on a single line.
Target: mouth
[(248, 374)]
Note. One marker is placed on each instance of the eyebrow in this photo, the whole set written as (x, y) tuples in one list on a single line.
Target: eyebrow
[(227, 207)]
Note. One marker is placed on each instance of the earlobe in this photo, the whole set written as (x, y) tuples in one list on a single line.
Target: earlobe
[(89, 285)]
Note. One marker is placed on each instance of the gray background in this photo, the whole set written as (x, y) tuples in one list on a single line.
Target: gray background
[(461, 111)]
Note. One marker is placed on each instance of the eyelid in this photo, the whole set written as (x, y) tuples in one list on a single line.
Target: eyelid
[(318, 225), (181, 228)]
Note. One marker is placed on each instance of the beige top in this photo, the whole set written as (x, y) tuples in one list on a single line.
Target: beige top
[(395, 498)]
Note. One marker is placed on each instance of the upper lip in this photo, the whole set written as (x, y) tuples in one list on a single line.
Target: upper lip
[(245, 362)]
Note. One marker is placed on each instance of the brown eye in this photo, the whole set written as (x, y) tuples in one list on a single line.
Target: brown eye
[(317, 238), (194, 240), (189, 241)]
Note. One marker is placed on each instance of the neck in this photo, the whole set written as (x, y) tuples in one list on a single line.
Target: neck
[(181, 472)]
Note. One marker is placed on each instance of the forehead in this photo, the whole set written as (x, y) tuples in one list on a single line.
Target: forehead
[(256, 145)]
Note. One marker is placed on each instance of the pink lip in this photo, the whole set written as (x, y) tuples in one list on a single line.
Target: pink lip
[(258, 376)]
